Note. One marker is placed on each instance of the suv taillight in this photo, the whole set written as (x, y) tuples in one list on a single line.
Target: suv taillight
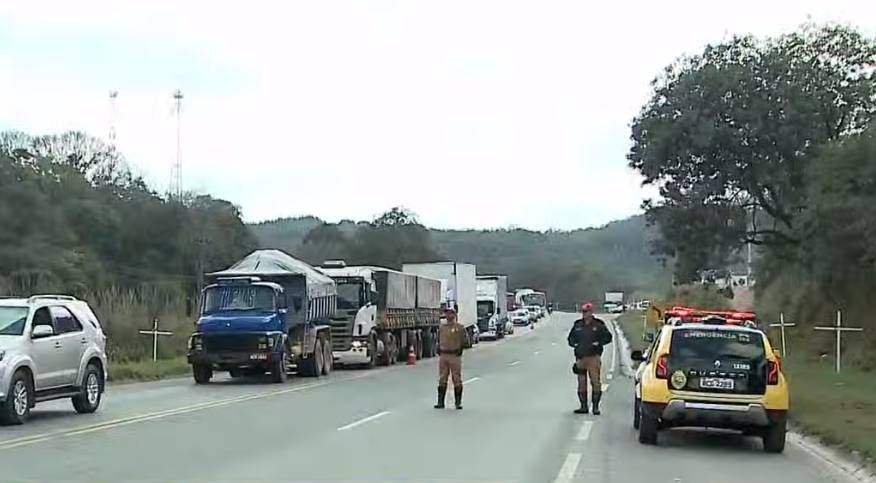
[(773, 373), (663, 367)]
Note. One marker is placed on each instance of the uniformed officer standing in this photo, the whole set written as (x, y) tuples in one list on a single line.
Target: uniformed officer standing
[(587, 336), (452, 339)]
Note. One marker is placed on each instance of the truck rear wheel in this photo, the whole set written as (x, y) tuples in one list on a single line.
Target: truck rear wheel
[(385, 357), (427, 344)]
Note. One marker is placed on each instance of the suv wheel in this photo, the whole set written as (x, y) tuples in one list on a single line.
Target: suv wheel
[(647, 428), (16, 409), (637, 413), (774, 438), (88, 399), (202, 373)]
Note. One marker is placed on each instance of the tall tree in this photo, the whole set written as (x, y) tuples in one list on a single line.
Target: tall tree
[(728, 131)]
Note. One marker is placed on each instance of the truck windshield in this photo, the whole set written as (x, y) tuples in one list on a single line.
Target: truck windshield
[(534, 299), (246, 297), (485, 308), (350, 295), (12, 320)]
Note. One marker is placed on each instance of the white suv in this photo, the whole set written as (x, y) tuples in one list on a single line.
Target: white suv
[(51, 347)]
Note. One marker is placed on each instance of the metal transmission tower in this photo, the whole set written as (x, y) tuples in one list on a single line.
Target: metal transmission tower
[(113, 95), (176, 184)]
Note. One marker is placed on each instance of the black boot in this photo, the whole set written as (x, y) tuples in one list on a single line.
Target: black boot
[(457, 392), (582, 398), (596, 397), (442, 391)]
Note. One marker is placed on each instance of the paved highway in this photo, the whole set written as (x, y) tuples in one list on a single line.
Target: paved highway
[(379, 426)]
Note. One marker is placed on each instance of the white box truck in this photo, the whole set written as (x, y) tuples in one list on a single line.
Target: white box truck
[(459, 289), (492, 309)]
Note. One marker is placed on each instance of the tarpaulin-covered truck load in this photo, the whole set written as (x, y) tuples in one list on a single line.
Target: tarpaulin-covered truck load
[(267, 312), (382, 314)]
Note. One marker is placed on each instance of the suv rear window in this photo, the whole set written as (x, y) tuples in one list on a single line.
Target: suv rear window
[(712, 344)]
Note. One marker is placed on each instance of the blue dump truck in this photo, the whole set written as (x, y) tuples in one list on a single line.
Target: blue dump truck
[(266, 313)]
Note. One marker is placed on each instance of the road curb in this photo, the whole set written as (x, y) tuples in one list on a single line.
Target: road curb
[(834, 458)]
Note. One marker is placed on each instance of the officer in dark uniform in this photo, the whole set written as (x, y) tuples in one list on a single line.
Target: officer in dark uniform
[(587, 337)]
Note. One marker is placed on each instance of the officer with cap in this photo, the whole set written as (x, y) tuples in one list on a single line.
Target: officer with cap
[(452, 339), (587, 337)]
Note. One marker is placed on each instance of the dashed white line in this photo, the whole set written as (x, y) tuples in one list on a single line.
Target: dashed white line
[(535, 353), (514, 363), (363, 421), (570, 466), (584, 432), (473, 379), (605, 387), (553, 343)]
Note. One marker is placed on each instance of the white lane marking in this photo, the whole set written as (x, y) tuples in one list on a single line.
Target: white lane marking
[(605, 387), (570, 466), (363, 421), (515, 363), (553, 343), (116, 423), (584, 432), (535, 353), (473, 379), (609, 376), (613, 346)]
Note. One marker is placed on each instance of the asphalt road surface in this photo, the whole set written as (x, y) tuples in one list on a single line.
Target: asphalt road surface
[(379, 426)]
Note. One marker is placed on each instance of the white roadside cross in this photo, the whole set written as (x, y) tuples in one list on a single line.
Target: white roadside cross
[(155, 333), (781, 325), (839, 329)]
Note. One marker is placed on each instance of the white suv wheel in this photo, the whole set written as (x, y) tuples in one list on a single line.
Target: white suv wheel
[(20, 398), (92, 388)]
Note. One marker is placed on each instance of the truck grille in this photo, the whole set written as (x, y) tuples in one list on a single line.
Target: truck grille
[(342, 334), (231, 342)]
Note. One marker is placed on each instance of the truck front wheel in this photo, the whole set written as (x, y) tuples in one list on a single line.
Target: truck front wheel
[(202, 373), (278, 370)]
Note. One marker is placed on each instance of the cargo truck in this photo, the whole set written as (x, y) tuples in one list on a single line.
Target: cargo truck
[(382, 314), (459, 289), (492, 309), (532, 300), (269, 312)]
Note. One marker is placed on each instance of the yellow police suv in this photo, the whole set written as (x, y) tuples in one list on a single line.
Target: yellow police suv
[(711, 369)]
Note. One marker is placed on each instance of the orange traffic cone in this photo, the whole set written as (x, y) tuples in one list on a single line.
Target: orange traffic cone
[(412, 357)]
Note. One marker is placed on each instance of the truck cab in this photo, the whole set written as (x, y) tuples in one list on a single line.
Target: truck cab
[(355, 319), (490, 324), (242, 329)]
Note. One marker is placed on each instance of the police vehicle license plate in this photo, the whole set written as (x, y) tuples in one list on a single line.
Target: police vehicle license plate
[(716, 383)]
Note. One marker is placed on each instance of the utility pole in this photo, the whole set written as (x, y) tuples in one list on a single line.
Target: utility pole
[(113, 95), (176, 184)]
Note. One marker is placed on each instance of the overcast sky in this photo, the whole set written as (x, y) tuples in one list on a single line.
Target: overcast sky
[(470, 113)]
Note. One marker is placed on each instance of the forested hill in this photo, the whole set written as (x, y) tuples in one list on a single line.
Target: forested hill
[(571, 265)]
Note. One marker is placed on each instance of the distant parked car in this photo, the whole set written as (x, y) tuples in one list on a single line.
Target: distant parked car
[(51, 347), (520, 317)]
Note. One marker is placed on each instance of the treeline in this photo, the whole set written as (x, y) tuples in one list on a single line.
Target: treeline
[(77, 221), (770, 141), (570, 265)]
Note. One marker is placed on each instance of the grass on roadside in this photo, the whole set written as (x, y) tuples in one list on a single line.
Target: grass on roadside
[(631, 323), (838, 409), (133, 371)]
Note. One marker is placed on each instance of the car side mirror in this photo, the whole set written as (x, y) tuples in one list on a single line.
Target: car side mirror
[(41, 331), (637, 356), (648, 337)]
